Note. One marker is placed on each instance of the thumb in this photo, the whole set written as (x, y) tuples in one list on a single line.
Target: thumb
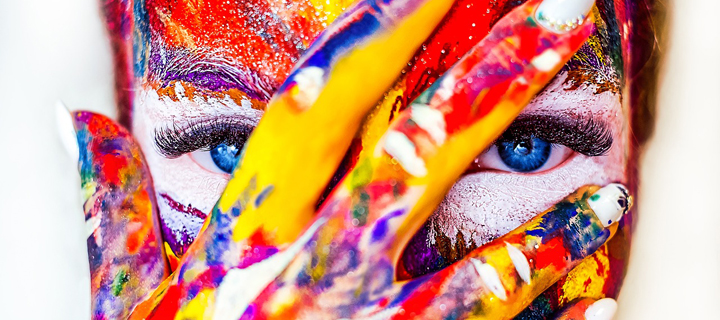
[(124, 244)]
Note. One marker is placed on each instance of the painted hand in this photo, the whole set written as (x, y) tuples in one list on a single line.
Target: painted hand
[(266, 252)]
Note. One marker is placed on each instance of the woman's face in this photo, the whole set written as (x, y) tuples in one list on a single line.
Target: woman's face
[(205, 71)]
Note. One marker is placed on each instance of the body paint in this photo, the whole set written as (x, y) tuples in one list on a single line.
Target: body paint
[(349, 266), (543, 249), (493, 282), (420, 70), (271, 199), (124, 243)]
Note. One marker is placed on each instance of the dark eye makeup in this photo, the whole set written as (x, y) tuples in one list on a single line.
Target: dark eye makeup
[(177, 139), (539, 142), (524, 147), (585, 135)]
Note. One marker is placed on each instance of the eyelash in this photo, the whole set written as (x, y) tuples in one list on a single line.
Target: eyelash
[(174, 141), (583, 135)]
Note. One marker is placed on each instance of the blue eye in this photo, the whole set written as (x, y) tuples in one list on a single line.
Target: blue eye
[(524, 155), (225, 156)]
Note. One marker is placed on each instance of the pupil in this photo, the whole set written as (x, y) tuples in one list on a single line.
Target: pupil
[(525, 155), (522, 148), (225, 156)]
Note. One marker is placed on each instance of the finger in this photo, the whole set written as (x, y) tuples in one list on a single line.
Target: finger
[(499, 279), (124, 245), (428, 146), (295, 149), (392, 191), (312, 119), (589, 309)]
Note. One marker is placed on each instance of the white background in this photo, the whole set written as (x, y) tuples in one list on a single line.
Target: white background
[(57, 50)]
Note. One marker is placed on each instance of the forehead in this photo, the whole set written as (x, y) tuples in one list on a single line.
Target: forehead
[(248, 47), (260, 39)]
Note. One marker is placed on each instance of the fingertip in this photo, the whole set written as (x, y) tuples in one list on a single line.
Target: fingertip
[(66, 130), (561, 16), (603, 309), (610, 203)]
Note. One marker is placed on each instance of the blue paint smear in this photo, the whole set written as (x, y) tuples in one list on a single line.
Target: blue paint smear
[(381, 226), (263, 195), (581, 237), (325, 53)]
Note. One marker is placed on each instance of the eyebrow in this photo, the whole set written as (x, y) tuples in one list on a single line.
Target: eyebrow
[(591, 67), (205, 70)]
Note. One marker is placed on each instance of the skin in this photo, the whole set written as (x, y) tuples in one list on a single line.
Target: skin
[(480, 207), (483, 206), (477, 209)]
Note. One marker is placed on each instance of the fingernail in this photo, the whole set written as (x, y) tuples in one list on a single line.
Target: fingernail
[(610, 203), (603, 309), (66, 130), (562, 16)]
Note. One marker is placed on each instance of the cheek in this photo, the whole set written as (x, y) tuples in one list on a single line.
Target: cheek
[(182, 179), (486, 205), (187, 183)]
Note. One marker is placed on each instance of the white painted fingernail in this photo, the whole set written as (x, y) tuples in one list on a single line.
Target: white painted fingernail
[(402, 149), (610, 203), (522, 266), (563, 15), (490, 277), (66, 131), (603, 309)]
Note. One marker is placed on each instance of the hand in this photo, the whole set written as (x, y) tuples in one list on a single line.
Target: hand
[(266, 220)]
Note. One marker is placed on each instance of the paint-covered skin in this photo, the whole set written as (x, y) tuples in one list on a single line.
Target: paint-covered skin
[(347, 268), (480, 207), (338, 275), (247, 242), (124, 242), (170, 97)]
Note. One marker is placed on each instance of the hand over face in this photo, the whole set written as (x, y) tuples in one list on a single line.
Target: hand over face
[(399, 177)]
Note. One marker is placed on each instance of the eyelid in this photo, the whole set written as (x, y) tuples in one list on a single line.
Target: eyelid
[(178, 139), (568, 135), (586, 135)]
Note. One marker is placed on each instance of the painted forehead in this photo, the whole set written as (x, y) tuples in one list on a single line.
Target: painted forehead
[(247, 48)]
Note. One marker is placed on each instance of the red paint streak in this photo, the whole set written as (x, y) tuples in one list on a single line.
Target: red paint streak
[(416, 304), (463, 27), (551, 253), (260, 239), (168, 307), (189, 209), (112, 164), (383, 303), (252, 32), (587, 283)]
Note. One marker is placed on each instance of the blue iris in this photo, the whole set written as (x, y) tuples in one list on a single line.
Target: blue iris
[(225, 156), (524, 155)]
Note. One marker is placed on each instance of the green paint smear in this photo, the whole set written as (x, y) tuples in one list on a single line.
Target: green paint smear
[(595, 197), (360, 210), (121, 278), (530, 21), (361, 175)]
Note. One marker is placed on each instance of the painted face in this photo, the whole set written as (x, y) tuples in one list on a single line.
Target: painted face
[(204, 71)]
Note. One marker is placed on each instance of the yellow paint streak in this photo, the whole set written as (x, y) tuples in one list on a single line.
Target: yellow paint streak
[(378, 120), (199, 307), (299, 171), (450, 161), (588, 278), (331, 9)]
